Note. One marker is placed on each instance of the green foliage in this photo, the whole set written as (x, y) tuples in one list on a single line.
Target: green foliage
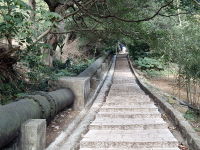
[(59, 65), (63, 72), (138, 50), (189, 5), (181, 46), (13, 19), (10, 91), (192, 115), (69, 68), (157, 73), (147, 63), (81, 66), (39, 75)]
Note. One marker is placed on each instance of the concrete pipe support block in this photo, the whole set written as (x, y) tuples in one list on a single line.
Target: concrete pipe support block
[(33, 135), (80, 87)]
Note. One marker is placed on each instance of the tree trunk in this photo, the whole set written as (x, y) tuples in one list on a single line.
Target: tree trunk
[(178, 11), (32, 4), (48, 53), (53, 39)]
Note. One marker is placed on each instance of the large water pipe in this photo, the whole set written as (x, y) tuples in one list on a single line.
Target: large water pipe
[(38, 105)]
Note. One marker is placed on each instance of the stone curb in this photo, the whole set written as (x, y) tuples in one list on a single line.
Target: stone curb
[(84, 118), (72, 142), (188, 133)]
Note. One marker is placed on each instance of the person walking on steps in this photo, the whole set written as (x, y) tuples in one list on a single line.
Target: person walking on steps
[(123, 48)]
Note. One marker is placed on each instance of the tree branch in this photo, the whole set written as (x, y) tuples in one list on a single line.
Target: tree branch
[(70, 31), (78, 30), (163, 15), (68, 15), (42, 35), (65, 17), (139, 20), (85, 10), (196, 2)]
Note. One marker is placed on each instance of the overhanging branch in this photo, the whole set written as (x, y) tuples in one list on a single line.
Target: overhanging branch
[(172, 15), (198, 3), (79, 30), (139, 20), (63, 18)]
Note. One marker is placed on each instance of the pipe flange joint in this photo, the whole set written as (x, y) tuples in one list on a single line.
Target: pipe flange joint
[(53, 104), (31, 97)]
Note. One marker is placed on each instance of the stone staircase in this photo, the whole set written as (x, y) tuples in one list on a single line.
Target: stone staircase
[(128, 120)]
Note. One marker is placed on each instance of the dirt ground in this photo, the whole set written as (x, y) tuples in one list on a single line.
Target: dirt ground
[(58, 124), (169, 85)]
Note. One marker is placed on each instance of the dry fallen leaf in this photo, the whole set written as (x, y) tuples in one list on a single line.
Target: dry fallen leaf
[(172, 128), (164, 116), (182, 147)]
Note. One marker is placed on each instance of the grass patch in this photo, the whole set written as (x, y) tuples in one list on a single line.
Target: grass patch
[(192, 115)]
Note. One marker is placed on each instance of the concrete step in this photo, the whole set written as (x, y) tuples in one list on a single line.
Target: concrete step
[(125, 93), (129, 108), (133, 111), (155, 114), (127, 124), (123, 81), (136, 105), (128, 120), (127, 85), (123, 75), (123, 72), (156, 138), (120, 66), (125, 99), (130, 97), (130, 149), (118, 77), (125, 103), (129, 90), (126, 89)]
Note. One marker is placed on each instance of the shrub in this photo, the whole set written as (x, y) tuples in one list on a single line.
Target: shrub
[(138, 50), (149, 64)]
